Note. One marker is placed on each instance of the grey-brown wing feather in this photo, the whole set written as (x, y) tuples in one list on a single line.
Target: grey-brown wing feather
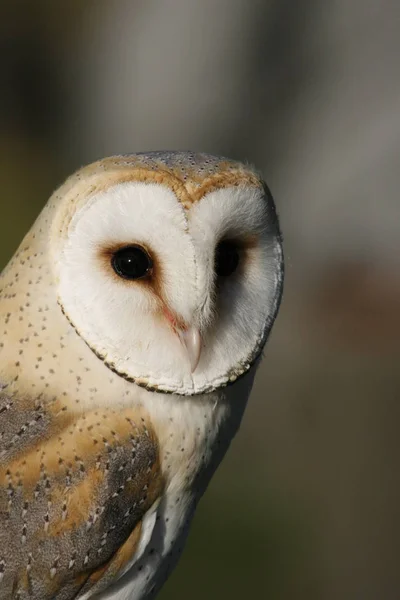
[(73, 488)]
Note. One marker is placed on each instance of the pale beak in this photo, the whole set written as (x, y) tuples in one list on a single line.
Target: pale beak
[(191, 339)]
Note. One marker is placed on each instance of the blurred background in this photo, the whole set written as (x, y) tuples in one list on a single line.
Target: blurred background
[(306, 503)]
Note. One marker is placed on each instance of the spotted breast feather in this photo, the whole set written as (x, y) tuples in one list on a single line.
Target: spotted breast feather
[(73, 492)]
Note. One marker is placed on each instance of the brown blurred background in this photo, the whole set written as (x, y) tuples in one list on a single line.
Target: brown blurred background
[(306, 504)]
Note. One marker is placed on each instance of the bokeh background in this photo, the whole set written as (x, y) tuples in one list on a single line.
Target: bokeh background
[(306, 504)]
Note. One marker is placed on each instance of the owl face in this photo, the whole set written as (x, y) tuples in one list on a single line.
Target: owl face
[(175, 294)]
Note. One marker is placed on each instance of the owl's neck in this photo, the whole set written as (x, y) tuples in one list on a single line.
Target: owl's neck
[(194, 432)]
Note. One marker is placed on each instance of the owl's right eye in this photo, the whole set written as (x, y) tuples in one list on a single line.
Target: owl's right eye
[(132, 262)]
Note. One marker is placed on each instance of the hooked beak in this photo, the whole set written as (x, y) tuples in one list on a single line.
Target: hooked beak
[(189, 336), (191, 339)]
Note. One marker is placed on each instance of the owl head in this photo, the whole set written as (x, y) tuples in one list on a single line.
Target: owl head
[(169, 266)]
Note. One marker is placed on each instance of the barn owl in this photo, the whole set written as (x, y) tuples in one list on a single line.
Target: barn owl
[(133, 317)]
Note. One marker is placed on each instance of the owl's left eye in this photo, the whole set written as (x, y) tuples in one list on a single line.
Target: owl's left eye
[(226, 258), (132, 262)]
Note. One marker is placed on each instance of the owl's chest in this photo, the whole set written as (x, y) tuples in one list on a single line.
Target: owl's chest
[(191, 449)]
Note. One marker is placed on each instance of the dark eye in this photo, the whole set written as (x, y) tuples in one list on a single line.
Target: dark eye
[(132, 262), (226, 258)]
